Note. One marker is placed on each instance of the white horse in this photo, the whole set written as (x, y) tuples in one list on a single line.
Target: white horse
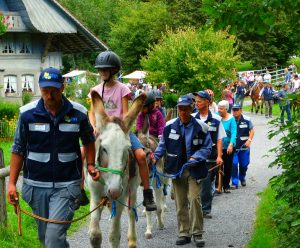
[(113, 150), (151, 143)]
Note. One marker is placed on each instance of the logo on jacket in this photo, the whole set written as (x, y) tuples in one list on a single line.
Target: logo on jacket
[(70, 119)]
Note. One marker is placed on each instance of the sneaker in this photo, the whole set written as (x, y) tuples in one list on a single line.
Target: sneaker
[(233, 187), (183, 240), (243, 183), (207, 215), (199, 241), (149, 200)]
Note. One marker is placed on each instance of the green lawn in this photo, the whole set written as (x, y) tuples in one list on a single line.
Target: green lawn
[(6, 146), (265, 233), (275, 111)]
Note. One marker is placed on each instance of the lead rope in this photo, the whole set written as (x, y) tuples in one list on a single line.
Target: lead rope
[(18, 211)]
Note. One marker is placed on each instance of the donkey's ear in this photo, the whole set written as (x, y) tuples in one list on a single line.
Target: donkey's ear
[(134, 110), (98, 108)]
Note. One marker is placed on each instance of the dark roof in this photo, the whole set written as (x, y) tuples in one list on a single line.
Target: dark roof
[(56, 24)]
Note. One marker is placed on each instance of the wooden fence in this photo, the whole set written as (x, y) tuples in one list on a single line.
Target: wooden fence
[(4, 172)]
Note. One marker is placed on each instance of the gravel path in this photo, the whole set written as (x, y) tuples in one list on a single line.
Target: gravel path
[(233, 214)]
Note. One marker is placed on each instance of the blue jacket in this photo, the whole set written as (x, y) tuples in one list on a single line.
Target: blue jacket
[(50, 145), (268, 93), (213, 121), (198, 145), (244, 125)]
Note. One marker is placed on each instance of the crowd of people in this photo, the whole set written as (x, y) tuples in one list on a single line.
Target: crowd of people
[(204, 137)]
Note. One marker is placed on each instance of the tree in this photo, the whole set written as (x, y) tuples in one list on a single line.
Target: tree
[(134, 31), (2, 25), (270, 25), (191, 60), (186, 13)]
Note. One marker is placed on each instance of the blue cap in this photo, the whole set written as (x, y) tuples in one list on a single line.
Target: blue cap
[(236, 106), (203, 94), (185, 101), (50, 77)]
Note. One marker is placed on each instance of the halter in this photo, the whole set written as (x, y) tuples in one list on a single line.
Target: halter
[(109, 170)]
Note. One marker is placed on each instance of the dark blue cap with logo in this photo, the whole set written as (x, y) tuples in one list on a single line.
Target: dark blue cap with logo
[(236, 106), (50, 77), (185, 101), (203, 94)]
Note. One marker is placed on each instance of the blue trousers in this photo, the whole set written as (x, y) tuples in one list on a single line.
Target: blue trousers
[(207, 192), (287, 109), (52, 203), (241, 160)]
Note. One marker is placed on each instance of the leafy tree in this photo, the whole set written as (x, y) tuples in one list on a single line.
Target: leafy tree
[(286, 184), (191, 60), (2, 26), (270, 28), (134, 31), (186, 13)]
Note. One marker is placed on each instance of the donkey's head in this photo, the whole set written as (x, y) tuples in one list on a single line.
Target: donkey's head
[(113, 143)]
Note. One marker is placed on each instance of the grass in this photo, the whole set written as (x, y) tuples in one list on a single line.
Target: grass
[(275, 111), (265, 233), (6, 146)]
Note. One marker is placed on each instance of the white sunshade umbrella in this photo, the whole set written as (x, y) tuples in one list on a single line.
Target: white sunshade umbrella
[(136, 75)]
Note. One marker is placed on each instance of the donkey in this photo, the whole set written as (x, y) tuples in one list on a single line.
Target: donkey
[(116, 182), (150, 144)]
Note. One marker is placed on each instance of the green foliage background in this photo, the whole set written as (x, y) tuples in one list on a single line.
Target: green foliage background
[(190, 60)]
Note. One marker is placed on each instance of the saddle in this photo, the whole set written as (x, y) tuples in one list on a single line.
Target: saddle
[(131, 164)]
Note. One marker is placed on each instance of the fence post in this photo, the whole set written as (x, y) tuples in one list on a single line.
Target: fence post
[(3, 213)]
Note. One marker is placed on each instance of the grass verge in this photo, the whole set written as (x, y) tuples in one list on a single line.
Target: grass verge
[(265, 233), (275, 111)]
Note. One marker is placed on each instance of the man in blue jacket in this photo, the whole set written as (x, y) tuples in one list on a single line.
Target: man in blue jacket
[(46, 145), (241, 157), (187, 144), (217, 133)]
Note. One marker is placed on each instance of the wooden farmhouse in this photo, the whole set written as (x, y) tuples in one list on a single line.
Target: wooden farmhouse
[(38, 33)]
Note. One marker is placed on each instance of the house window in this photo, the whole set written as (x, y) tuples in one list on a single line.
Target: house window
[(25, 45), (8, 46), (27, 83), (10, 84)]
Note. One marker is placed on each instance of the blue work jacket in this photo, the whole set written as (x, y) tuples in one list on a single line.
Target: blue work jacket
[(50, 145), (244, 125), (198, 145)]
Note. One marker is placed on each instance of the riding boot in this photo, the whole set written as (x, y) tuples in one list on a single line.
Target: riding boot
[(149, 200)]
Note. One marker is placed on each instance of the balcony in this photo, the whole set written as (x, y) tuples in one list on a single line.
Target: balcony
[(13, 22)]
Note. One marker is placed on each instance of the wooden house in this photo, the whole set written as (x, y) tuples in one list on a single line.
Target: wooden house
[(38, 33)]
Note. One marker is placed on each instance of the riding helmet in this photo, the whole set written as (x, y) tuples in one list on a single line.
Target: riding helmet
[(150, 99), (108, 59)]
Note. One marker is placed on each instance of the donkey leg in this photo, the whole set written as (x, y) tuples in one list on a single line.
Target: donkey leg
[(94, 229), (131, 235), (148, 233), (115, 228), (160, 207)]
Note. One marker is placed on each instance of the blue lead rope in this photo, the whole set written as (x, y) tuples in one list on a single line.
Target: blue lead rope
[(114, 210)]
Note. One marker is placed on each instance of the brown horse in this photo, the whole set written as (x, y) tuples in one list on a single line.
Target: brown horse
[(295, 103), (257, 103)]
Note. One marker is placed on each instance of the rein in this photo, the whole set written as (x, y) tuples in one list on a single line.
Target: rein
[(18, 211)]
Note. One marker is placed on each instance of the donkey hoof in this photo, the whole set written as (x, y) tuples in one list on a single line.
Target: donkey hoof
[(148, 235)]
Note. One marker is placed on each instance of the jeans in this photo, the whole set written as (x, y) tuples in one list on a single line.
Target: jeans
[(287, 109), (52, 203), (207, 193)]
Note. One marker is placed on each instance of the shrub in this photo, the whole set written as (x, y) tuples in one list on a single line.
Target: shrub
[(8, 110), (170, 100), (26, 97)]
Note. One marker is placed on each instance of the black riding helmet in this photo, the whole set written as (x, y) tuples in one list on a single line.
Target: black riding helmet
[(108, 59), (150, 99)]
